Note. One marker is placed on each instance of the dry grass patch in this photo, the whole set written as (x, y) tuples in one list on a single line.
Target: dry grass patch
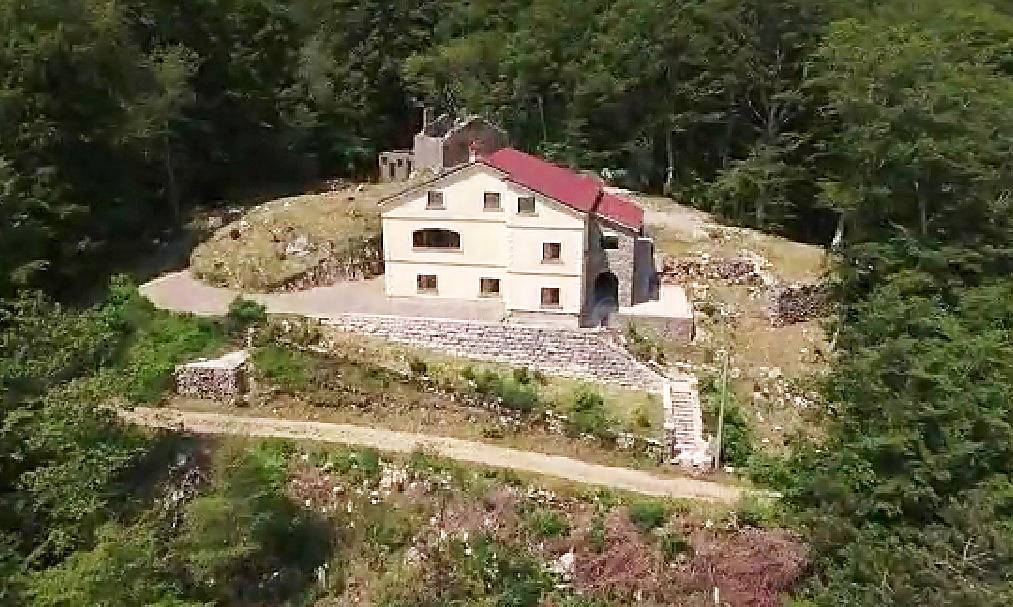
[(281, 240), (681, 231)]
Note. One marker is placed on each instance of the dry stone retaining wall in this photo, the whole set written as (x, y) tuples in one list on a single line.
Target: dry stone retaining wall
[(584, 354)]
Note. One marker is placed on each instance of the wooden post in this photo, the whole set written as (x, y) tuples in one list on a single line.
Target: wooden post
[(721, 411)]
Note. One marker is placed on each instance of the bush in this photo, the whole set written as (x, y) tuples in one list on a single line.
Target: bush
[(289, 370), (244, 313), (512, 393), (672, 546), (417, 367), (589, 417), (736, 434), (648, 514), (156, 347), (643, 345), (547, 524)]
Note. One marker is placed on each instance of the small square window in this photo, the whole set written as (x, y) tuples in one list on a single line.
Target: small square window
[(489, 287), (526, 205), (427, 283), (491, 202), (383, 160), (610, 242), (400, 162), (551, 252), (435, 200), (550, 297)]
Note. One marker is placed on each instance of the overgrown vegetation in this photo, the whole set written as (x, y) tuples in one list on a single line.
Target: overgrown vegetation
[(888, 124)]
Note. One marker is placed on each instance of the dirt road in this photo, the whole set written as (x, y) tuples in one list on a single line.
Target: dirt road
[(452, 448)]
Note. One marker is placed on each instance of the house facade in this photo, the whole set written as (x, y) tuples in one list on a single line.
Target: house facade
[(550, 245), (442, 144)]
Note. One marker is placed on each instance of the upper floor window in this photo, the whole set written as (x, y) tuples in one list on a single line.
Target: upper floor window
[(526, 205), (491, 202), (551, 252), (610, 242), (435, 200), (436, 238)]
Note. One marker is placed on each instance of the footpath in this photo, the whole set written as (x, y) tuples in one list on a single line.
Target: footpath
[(636, 481)]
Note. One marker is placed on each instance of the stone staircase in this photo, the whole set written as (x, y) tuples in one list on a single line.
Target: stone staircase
[(684, 424)]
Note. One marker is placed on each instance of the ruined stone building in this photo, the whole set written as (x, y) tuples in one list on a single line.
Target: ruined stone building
[(442, 144)]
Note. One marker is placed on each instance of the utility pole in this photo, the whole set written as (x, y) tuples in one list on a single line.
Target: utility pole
[(721, 410)]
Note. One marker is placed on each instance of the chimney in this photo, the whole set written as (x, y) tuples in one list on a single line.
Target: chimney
[(472, 151), (425, 118)]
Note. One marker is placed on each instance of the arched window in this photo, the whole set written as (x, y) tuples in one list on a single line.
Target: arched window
[(436, 238)]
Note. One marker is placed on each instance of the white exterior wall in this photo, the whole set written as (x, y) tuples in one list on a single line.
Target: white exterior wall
[(494, 244)]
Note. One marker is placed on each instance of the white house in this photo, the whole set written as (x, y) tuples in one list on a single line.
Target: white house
[(551, 245)]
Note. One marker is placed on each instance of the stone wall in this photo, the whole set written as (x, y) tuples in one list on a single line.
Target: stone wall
[(583, 354), (225, 378)]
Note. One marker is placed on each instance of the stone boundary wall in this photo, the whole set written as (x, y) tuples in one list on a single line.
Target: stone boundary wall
[(582, 354)]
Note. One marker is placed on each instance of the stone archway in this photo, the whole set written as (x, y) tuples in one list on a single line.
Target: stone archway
[(604, 299)]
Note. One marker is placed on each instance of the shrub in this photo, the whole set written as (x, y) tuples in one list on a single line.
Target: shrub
[(643, 345), (736, 434), (523, 375), (546, 524), (673, 545), (513, 394), (521, 397), (290, 370), (244, 313), (166, 340), (648, 514), (417, 367), (596, 539), (588, 416)]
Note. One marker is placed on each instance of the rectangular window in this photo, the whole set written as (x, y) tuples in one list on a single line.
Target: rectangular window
[(526, 205), (489, 287), (435, 200), (427, 283), (491, 202), (551, 252), (610, 242), (550, 297)]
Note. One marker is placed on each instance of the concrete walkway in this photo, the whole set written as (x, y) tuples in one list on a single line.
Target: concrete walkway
[(462, 450), (181, 292)]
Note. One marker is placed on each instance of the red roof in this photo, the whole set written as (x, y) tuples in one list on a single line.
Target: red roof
[(575, 191)]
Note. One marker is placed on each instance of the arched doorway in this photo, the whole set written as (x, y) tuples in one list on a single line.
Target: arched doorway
[(605, 298)]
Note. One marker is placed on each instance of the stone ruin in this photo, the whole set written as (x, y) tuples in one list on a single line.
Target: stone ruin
[(224, 379), (798, 303), (734, 271)]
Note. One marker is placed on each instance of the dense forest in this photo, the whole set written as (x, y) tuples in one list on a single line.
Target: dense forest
[(883, 126)]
